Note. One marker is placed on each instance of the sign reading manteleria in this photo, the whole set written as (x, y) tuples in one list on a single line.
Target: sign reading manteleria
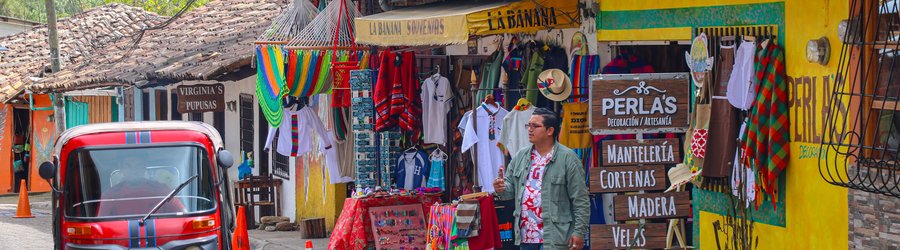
[(624, 104)]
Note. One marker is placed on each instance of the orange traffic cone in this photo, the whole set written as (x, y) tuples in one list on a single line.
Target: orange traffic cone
[(309, 245), (23, 210), (240, 240)]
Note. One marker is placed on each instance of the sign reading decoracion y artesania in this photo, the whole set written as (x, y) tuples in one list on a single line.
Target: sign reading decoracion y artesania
[(625, 104)]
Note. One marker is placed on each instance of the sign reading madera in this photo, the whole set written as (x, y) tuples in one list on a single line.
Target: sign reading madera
[(201, 98), (646, 102), (634, 152), (621, 236), (649, 206)]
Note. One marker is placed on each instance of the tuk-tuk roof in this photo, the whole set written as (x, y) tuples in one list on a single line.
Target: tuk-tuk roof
[(76, 131)]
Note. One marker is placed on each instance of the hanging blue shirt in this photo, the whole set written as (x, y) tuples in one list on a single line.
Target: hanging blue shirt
[(411, 171)]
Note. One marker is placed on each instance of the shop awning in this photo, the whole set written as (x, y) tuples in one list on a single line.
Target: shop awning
[(453, 22)]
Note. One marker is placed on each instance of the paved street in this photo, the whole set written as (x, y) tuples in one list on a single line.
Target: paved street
[(30, 233)]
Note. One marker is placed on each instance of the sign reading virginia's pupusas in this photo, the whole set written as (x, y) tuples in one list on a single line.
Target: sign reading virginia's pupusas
[(621, 236), (634, 152), (626, 179), (649, 206), (651, 103), (201, 98)]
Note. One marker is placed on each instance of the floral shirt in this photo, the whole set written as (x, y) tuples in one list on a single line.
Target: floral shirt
[(532, 223)]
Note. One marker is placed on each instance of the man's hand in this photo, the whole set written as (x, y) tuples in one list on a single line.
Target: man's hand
[(499, 183), (576, 243)]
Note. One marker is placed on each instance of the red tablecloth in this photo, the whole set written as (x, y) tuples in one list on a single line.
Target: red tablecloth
[(353, 229)]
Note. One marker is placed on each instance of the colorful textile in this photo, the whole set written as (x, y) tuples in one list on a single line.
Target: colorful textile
[(270, 82), (574, 131), (397, 94), (467, 218), (489, 234), (353, 230), (626, 63), (768, 134), (362, 117)]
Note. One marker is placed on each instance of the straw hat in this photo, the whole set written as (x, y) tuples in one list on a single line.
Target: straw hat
[(555, 85), (680, 175)]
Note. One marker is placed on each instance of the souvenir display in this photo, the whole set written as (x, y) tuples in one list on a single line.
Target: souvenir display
[(398, 227)]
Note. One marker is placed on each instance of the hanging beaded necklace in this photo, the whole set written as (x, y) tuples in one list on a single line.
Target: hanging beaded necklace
[(493, 116)]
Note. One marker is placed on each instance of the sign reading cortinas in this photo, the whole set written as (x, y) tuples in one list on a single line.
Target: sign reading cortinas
[(640, 102), (201, 98)]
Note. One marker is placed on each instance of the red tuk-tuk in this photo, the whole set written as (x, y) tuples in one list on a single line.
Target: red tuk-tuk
[(141, 185)]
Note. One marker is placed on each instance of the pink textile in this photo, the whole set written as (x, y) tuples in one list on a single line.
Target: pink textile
[(352, 230)]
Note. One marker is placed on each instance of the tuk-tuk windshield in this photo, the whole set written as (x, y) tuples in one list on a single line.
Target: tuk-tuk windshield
[(125, 182)]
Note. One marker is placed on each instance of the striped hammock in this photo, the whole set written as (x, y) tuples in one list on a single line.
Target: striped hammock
[(270, 82)]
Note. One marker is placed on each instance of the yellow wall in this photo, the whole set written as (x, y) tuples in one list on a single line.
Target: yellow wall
[(816, 212), (325, 203)]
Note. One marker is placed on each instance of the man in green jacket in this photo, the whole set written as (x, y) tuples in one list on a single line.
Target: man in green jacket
[(548, 183)]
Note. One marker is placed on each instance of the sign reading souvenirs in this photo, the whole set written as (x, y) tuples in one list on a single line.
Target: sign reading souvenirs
[(621, 236), (647, 102), (201, 98), (626, 179), (648, 152), (650, 206)]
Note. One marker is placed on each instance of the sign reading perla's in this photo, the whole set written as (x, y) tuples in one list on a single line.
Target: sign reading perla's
[(201, 98), (647, 102)]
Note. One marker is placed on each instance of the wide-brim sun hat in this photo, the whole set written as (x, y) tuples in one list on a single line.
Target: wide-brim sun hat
[(555, 85)]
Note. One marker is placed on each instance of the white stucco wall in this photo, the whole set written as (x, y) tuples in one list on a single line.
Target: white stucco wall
[(233, 90)]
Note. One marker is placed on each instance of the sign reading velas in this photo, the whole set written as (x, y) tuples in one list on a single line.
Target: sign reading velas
[(649, 206), (634, 152), (201, 98), (621, 236), (626, 179), (646, 102)]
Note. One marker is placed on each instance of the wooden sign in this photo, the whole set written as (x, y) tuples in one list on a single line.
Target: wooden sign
[(625, 104), (651, 206), (626, 179), (621, 236), (648, 152), (398, 227), (201, 98)]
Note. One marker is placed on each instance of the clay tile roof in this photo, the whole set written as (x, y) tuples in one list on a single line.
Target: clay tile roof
[(200, 45), (80, 37)]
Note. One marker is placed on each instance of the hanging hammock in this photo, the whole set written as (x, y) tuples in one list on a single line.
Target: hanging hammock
[(319, 60), (289, 23), (270, 77), (321, 31)]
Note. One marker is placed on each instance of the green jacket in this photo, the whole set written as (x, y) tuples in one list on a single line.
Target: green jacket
[(566, 209)]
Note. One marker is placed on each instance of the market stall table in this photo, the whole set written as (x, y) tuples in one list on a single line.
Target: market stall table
[(352, 230)]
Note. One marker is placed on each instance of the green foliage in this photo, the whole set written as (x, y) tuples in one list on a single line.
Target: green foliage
[(34, 10)]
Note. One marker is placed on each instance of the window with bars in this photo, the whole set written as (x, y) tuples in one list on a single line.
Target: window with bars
[(281, 168), (861, 148), (246, 122)]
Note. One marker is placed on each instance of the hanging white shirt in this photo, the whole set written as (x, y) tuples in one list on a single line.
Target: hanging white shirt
[(742, 84), (436, 95), (490, 157), (295, 138), (514, 135)]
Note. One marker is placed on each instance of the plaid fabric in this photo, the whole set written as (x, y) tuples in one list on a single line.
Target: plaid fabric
[(768, 129)]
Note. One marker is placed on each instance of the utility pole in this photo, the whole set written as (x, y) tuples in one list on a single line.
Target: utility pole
[(59, 109)]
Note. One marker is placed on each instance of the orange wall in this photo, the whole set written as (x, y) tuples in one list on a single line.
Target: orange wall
[(43, 135), (6, 143)]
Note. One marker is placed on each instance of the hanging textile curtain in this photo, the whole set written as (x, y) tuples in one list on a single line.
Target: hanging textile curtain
[(270, 82)]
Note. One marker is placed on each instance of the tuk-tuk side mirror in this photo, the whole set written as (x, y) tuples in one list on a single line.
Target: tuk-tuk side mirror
[(225, 158), (47, 170)]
